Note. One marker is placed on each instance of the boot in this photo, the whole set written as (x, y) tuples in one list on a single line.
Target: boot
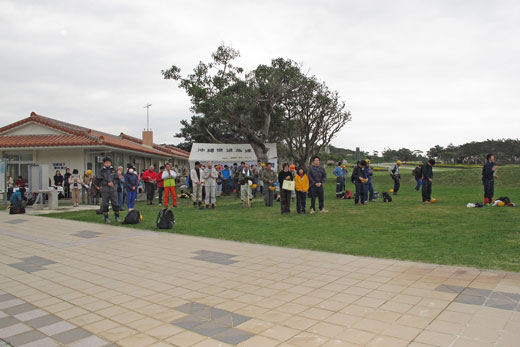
[(107, 221)]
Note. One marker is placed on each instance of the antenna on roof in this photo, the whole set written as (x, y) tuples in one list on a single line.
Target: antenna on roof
[(147, 117)]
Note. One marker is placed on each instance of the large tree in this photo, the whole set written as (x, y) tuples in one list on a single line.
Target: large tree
[(273, 103)]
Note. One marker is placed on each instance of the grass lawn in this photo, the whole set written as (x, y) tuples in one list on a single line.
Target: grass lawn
[(444, 233)]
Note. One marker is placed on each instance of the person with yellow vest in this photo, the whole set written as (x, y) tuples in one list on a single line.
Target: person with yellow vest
[(169, 175), (301, 185)]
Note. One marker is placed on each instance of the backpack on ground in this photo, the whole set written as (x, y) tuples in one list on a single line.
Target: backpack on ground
[(16, 210), (165, 219), (386, 197), (348, 194), (505, 199), (133, 217)]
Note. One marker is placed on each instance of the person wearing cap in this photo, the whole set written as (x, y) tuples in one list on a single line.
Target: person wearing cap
[(268, 177), (396, 176), (197, 184), (292, 168), (369, 187), (317, 176), (107, 178), (85, 187), (427, 179), (340, 180), (210, 185), (169, 175)]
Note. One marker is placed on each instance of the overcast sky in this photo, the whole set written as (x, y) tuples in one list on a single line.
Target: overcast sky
[(413, 73)]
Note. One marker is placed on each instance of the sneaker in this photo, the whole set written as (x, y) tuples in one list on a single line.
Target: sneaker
[(303, 212), (324, 211), (107, 221), (312, 211), (118, 220), (427, 202), (207, 206)]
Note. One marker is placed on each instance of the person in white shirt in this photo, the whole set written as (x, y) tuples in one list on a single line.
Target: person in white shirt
[(197, 184), (210, 184)]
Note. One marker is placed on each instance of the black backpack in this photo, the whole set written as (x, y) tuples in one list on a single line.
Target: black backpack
[(16, 210), (505, 199), (165, 219), (417, 172), (133, 217)]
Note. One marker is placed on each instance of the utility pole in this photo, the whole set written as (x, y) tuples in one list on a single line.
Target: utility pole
[(147, 116)]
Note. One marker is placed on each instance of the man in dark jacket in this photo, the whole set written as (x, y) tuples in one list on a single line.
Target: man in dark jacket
[(317, 177), (427, 179), (108, 180), (360, 177), (66, 184), (488, 178)]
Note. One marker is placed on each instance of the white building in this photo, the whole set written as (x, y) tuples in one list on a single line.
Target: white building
[(43, 140)]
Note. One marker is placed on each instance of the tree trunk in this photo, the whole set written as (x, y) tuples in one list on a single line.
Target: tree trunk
[(261, 152)]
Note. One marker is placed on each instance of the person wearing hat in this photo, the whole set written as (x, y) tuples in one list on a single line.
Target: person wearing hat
[(75, 187), (488, 178), (369, 187), (396, 176), (107, 178), (340, 180), (85, 187), (268, 178), (245, 179), (427, 179), (292, 168)]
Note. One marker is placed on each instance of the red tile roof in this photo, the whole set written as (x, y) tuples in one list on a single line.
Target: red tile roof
[(79, 136)]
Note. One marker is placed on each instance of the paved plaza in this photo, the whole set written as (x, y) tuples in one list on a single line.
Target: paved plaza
[(79, 284)]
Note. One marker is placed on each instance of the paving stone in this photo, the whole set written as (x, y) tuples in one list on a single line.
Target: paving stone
[(232, 336), (191, 307), (38, 261), (45, 342), (14, 329), (56, 328), (25, 316), (209, 328), (91, 341), (470, 299), (43, 321), (10, 303), (87, 234), (501, 304), (449, 288), (24, 338), (8, 321), (7, 297), (239, 319), (188, 322), (20, 309), (16, 221), (70, 336), (476, 292), (27, 267)]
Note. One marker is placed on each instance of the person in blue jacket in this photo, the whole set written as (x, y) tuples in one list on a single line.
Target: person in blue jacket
[(131, 186), (488, 178), (16, 198), (340, 180)]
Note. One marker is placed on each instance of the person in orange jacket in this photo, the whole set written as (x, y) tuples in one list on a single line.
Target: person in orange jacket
[(301, 185)]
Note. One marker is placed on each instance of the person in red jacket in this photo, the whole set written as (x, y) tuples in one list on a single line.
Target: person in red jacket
[(160, 184), (20, 182), (150, 180)]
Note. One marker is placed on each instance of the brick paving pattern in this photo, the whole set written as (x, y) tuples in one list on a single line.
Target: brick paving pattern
[(68, 283)]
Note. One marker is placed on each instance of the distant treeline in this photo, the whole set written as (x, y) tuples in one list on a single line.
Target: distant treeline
[(507, 151)]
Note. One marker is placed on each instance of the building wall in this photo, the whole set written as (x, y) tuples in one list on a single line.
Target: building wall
[(71, 158)]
